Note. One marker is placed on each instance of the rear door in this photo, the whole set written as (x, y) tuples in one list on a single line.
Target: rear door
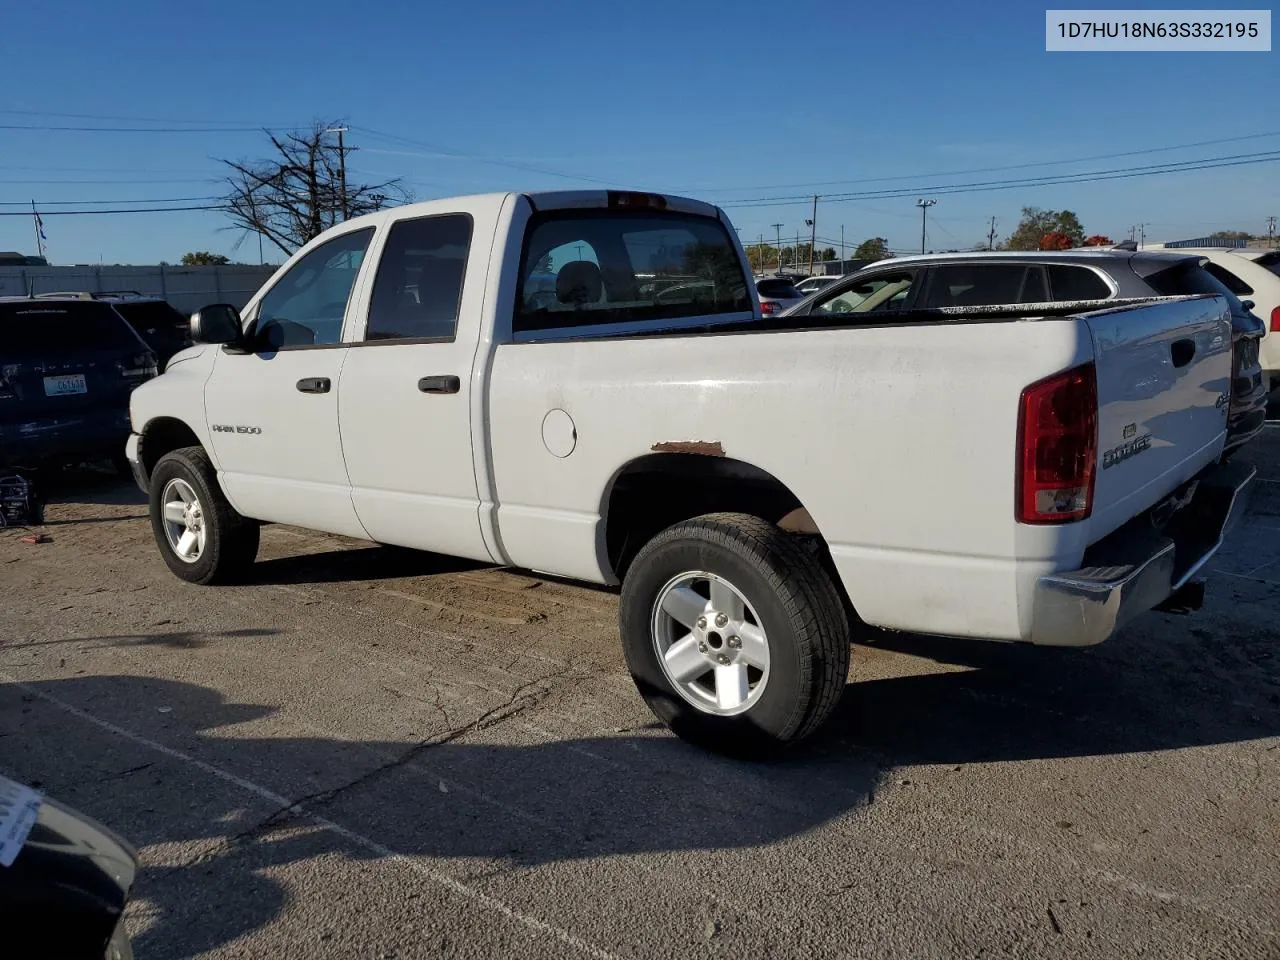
[(404, 405)]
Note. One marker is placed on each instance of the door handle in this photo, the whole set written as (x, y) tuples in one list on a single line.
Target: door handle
[(314, 385), (440, 384), (1181, 351)]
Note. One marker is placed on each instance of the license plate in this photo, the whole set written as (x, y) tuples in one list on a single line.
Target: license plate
[(18, 809), (64, 385)]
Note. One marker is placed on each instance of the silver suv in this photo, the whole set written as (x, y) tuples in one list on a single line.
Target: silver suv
[(914, 289)]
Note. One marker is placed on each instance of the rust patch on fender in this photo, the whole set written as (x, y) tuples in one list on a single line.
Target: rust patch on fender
[(701, 448)]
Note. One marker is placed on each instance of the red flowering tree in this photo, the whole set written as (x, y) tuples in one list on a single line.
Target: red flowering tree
[(1098, 240), (1055, 241)]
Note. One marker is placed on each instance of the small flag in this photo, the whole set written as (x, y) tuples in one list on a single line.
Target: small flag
[(40, 227)]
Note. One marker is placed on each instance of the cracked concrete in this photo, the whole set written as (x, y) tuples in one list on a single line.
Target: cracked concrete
[(372, 753)]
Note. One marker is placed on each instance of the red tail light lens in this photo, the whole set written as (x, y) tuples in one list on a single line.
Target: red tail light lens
[(1058, 447), (768, 308), (1275, 320)]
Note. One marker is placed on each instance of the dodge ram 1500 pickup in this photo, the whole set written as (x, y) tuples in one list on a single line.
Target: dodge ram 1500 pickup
[(756, 486)]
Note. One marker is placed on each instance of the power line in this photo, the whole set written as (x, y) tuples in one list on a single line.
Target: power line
[(43, 127), (1012, 166), (1123, 173), (107, 116), (461, 155), (90, 213), (136, 183), (76, 203)]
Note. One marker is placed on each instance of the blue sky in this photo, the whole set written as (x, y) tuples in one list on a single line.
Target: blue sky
[(723, 101)]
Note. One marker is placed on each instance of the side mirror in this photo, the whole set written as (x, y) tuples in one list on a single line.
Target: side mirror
[(1248, 304), (217, 323)]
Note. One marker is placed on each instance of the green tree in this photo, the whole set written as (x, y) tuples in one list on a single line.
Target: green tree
[(1037, 223), (828, 253), (875, 248), (202, 258), (1231, 235)]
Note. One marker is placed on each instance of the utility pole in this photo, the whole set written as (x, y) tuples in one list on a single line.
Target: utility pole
[(1142, 235), (777, 231), (842, 248), (813, 232), (342, 168), (1271, 232), (760, 252), (991, 235), (924, 206)]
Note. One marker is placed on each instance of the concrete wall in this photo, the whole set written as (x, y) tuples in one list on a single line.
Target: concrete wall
[(187, 288)]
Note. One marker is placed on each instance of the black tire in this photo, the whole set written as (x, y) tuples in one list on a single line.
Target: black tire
[(231, 542), (797, 604)]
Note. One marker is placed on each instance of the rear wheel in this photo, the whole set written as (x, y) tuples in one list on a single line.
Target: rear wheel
[(200, 535), (734, 633)]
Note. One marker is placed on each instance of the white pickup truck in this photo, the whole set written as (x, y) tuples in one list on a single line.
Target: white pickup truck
[(582, 384)]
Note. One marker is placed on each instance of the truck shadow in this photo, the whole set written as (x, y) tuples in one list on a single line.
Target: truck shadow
[(356, 564), (521, 805)]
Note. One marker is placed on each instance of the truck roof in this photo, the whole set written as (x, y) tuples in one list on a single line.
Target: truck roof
[(554, 200)]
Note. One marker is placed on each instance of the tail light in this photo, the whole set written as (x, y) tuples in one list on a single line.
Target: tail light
[(1058, 447), (8, 374), (139, 367), (1275, 320), (768, 308)]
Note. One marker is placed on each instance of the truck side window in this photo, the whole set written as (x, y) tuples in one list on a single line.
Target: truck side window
[(418, 287), (306, 306)]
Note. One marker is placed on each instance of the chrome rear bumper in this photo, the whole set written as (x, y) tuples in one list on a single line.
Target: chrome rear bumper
[(1137, 567)]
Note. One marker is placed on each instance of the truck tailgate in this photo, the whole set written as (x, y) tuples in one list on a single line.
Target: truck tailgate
[(1164, 381)]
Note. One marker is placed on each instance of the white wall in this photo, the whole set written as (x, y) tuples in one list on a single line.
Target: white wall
[(187, 288)]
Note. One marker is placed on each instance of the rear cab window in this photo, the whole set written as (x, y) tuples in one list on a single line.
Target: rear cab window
[(598, 268)]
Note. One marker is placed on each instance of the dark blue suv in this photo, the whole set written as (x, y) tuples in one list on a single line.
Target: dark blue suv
[(67, 368)]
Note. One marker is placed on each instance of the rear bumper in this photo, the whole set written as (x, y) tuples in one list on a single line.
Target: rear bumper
[(99, 434), (1137, 567)]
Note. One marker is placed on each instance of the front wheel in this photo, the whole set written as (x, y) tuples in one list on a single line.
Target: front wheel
[(734, 633), (200, 535)]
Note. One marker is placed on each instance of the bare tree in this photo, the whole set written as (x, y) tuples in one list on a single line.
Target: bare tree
[(302, 189)]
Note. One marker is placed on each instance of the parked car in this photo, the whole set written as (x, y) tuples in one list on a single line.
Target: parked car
[(67, 368), (776, 294), (813, 284), (1253, 275), (969, 280), (64, 880), (755, 488), (154, 319)]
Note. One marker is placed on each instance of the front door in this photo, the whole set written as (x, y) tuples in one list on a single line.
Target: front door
[(405, 402), (273, 412)]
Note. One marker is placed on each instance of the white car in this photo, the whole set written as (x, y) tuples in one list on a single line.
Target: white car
[(814, 284), (755, 486), (776, 294), (1252, 274)]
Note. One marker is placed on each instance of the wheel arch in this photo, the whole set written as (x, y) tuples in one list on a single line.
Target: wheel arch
[(163, 435), (651, 492)]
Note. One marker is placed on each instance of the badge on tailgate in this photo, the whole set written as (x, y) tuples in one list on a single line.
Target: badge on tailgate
[(1131, 447)]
